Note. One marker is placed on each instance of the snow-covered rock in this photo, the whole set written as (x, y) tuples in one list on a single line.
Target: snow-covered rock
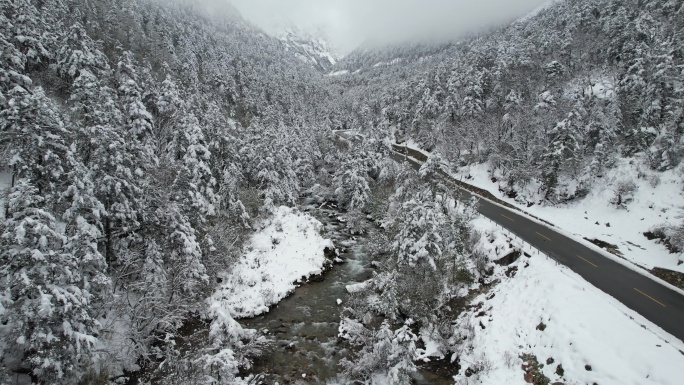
[(309, 48)]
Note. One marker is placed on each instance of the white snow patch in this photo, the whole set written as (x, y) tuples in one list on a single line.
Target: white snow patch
[(602, 88), (657, 200), (584, 326), (431, 349), (338, 73), (357, 287), (288, 247)]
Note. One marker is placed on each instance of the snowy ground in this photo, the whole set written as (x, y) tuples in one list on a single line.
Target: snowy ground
[(658, 200), (582, 326), (285, 249), (338, 73)]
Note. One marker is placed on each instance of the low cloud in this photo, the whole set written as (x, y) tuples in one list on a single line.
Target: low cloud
[(349, 23)]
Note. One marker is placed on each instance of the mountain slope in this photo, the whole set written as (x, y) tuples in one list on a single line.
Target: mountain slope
[(142, 139), (312, 50), (524, 97)]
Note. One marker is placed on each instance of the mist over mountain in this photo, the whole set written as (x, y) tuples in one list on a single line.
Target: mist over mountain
[(352, 23)]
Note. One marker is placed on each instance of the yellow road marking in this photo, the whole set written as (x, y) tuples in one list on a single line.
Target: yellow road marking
[(587, 261), (651, 298), (544, 236), (509, 218)]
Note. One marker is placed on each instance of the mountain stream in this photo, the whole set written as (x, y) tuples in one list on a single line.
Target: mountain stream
[(304, 326)]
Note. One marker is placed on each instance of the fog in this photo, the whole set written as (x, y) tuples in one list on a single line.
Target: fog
[(349, 23)]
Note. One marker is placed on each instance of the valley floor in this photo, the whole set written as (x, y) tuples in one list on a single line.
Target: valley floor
[(538, 320)]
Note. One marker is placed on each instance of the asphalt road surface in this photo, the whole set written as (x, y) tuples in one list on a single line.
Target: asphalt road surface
[(655, 302)]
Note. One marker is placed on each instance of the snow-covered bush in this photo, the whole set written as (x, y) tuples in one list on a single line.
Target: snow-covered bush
[(353, 190), (429, 247), (356, 222), (479, 257), (624, 193), (383, 356)]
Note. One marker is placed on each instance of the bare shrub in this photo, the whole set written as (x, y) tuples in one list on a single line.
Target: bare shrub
[(624, 193)]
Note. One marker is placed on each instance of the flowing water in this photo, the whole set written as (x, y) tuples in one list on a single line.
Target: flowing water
[(304, 326)]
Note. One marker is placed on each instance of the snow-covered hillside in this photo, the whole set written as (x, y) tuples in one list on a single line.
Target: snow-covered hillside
[(546, 321), (648, 200), (310, 48)]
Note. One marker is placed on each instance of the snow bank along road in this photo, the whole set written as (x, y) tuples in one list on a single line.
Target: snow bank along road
[(654, 301)]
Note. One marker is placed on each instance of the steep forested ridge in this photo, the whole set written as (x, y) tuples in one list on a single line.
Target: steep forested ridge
[(140, 137), (141, 140), (551, 100)]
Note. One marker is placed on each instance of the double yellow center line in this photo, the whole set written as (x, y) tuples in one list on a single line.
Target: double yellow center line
[(651, 298), (543, 236), (594, 265), (587, 261), (509, 218)]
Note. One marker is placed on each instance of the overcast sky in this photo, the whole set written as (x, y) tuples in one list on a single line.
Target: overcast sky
[(348, 23)]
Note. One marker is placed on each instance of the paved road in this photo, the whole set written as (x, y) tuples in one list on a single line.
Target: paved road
[(657, 303)]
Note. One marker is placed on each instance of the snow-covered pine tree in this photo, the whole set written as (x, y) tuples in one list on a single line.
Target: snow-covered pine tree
[(194, 183), (269, 165), (35, 140), (428, 245), (83, 230), (562, 154), (138, 121), (351, 180), (47, 278), (26, 28), (385, 356), (79, 52)]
